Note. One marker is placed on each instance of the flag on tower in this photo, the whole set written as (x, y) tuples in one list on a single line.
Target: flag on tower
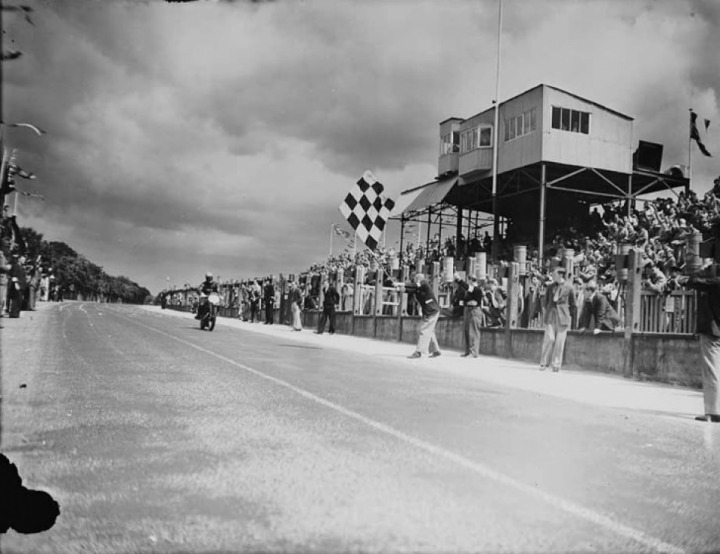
[(695, 134)]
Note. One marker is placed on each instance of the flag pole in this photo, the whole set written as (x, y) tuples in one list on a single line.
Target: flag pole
[(331, 237), (496, 226), (690, 149)]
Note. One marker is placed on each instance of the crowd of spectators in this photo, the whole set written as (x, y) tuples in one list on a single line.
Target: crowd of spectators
[(23, 280), (659, 228)]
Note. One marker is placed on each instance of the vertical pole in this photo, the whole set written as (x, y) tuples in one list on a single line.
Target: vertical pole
[(458, 231), (379, 293), (496, 135), (331, 238), (427, 242), (512, 305), (632, 310), (690, 149), (541, 230), (359, 282), (440, 222), (402, 236)]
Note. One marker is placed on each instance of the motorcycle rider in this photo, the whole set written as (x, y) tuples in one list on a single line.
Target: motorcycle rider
[(208, 285)]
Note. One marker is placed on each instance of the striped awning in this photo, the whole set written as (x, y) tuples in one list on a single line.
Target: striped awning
[(422, 197)]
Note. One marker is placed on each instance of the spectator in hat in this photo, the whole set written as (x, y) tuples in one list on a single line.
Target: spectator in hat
[(5, 268), (473, 315), (330, 300), (296, 301), (532, 307), (495, 299), (598, 313), (427, 344), (656, 279), (560, 308), (269, 300)]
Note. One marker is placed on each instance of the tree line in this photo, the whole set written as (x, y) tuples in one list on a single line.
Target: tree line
[(74, 272)]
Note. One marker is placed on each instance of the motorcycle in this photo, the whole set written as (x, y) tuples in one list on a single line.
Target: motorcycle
[(209, 305)]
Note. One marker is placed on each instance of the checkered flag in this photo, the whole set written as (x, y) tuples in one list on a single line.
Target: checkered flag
[(367, 209)]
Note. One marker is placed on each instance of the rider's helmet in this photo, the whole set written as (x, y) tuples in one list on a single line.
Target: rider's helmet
[(208, 276)]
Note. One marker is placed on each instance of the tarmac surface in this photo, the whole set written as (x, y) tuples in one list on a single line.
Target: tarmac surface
[(155, 436)]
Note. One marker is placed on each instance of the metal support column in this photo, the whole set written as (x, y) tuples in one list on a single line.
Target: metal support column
[(541, 230)]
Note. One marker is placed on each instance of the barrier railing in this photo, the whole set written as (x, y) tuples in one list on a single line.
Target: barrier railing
[(671, 313)]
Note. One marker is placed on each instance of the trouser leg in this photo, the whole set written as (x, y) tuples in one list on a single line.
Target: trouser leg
[(548, 344), (710, 351), (467, 317), (427, 341), (475, 326), (331, 316), (559, 347)]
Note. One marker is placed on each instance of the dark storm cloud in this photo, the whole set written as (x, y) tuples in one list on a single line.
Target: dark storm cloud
[(234, 129)]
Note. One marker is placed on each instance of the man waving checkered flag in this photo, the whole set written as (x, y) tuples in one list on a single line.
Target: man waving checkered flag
[(367, 209)]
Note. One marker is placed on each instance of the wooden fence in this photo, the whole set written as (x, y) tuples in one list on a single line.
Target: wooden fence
[(668, 313)]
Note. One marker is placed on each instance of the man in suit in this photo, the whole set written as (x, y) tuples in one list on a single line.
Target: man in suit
[(427, 342), (532, 306), (330, 300), (473, 314), (560, 308), (496, 301), (708, 330), (597, 311), (269, 300)]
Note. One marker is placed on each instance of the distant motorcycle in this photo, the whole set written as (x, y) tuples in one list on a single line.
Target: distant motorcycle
[(209, 306)]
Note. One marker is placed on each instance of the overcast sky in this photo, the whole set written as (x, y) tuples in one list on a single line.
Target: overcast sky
[(221, 136)]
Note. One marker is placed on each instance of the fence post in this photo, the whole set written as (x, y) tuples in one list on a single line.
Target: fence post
[(632, 309), (378, 293), (436, 278), (513, 282), (357, 293)]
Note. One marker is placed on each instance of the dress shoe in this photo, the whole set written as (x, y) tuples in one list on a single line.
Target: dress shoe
[(318, 332), (415, 355), (465, 355), (435, 354), (556, 369), (712, 418), (542, 367)]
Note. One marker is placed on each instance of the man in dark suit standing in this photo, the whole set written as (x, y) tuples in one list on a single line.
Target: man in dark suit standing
[(532, 305), (560, 310), (597, 311), (330, 300), (473, 314), (269, 300)]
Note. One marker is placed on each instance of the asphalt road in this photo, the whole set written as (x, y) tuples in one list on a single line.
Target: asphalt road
[(155, 436)]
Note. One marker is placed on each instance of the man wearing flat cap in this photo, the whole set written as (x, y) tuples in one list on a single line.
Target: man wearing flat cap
[(473, 314), (560, 308)]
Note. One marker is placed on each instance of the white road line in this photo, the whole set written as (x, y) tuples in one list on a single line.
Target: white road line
[(555, 501)]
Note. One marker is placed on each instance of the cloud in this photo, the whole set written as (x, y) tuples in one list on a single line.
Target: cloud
[(240, 126)]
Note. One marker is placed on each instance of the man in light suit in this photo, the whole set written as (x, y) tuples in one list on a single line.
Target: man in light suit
[(560, 308)]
